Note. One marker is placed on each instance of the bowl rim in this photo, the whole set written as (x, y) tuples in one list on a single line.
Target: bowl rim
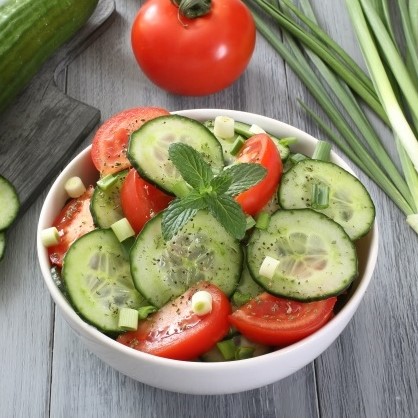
[(333, 326)]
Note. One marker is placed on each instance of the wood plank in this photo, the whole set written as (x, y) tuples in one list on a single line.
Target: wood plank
[(371, 370), (26, 325)]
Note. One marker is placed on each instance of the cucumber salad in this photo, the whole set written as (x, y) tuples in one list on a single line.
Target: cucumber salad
[(206, 241)]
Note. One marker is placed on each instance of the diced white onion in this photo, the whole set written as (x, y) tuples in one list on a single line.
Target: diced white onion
[(268, 267), (224, 127), (50, 236), (74, 187), (202, 302)]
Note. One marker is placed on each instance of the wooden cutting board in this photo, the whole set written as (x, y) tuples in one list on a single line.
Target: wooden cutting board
[(43, 126)]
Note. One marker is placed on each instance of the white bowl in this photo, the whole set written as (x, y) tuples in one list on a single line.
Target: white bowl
[(197, 377)]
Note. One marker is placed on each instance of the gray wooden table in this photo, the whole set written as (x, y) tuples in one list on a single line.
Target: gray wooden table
[(370, 371)]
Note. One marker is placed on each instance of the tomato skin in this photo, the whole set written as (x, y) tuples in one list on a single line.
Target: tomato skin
[(108, 151), (141, 200), (72, 222), (276, 321), (261, 149), (176, 332), (193, 57)]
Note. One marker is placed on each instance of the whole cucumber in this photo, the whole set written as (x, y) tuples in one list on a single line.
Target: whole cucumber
[(30, 32)]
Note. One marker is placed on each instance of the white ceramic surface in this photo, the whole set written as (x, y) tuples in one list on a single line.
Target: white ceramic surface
[(196, 377)]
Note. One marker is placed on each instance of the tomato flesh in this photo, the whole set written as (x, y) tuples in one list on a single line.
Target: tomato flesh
[(73, 221), (141, 200), (276, 321), (110, 142), (176, 332), (260, 149), (193, 56)]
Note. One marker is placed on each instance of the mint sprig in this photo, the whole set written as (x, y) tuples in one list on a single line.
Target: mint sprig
[(209, 191)]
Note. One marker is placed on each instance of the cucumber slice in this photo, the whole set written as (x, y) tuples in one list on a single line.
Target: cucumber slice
[(105, 205), (9, 203), (148, 149), (201, 250), (317, 258), (98, 281), (350, 204)]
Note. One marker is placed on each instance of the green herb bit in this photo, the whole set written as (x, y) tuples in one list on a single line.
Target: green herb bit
[(262, 220), (288, 140), (295, 158), (227, 349), (144, 311), (239, 298), (237, 145), (320, 196), (322, 151), (244, 352), (107, 181)]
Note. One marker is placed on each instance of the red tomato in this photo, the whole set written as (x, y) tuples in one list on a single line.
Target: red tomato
[(141, 200), (276, 321), (176, 332), (110, 142), (193, 56), (73, 221), (260, 149)]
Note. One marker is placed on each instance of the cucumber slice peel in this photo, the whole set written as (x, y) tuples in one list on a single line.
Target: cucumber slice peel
[(9, 203), (317, 258)]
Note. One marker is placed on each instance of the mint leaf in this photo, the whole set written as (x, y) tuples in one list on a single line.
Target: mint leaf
[(192, 167), (221, 183), (209, 191), (244, 176), (179, 212), (229, 214)]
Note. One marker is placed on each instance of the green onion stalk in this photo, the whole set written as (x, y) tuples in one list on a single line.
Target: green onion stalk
[(389, 87)]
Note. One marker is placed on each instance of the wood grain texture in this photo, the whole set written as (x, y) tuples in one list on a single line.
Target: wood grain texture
[(43, 127), (370, 371)]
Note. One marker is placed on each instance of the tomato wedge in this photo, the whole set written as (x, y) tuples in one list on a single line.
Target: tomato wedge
[(176, 332), (73, 221), (276, 321), (141, 200), (110, 142), (260, 149)]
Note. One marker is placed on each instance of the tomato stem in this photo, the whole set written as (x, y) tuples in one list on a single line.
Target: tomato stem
[(193, 8)]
